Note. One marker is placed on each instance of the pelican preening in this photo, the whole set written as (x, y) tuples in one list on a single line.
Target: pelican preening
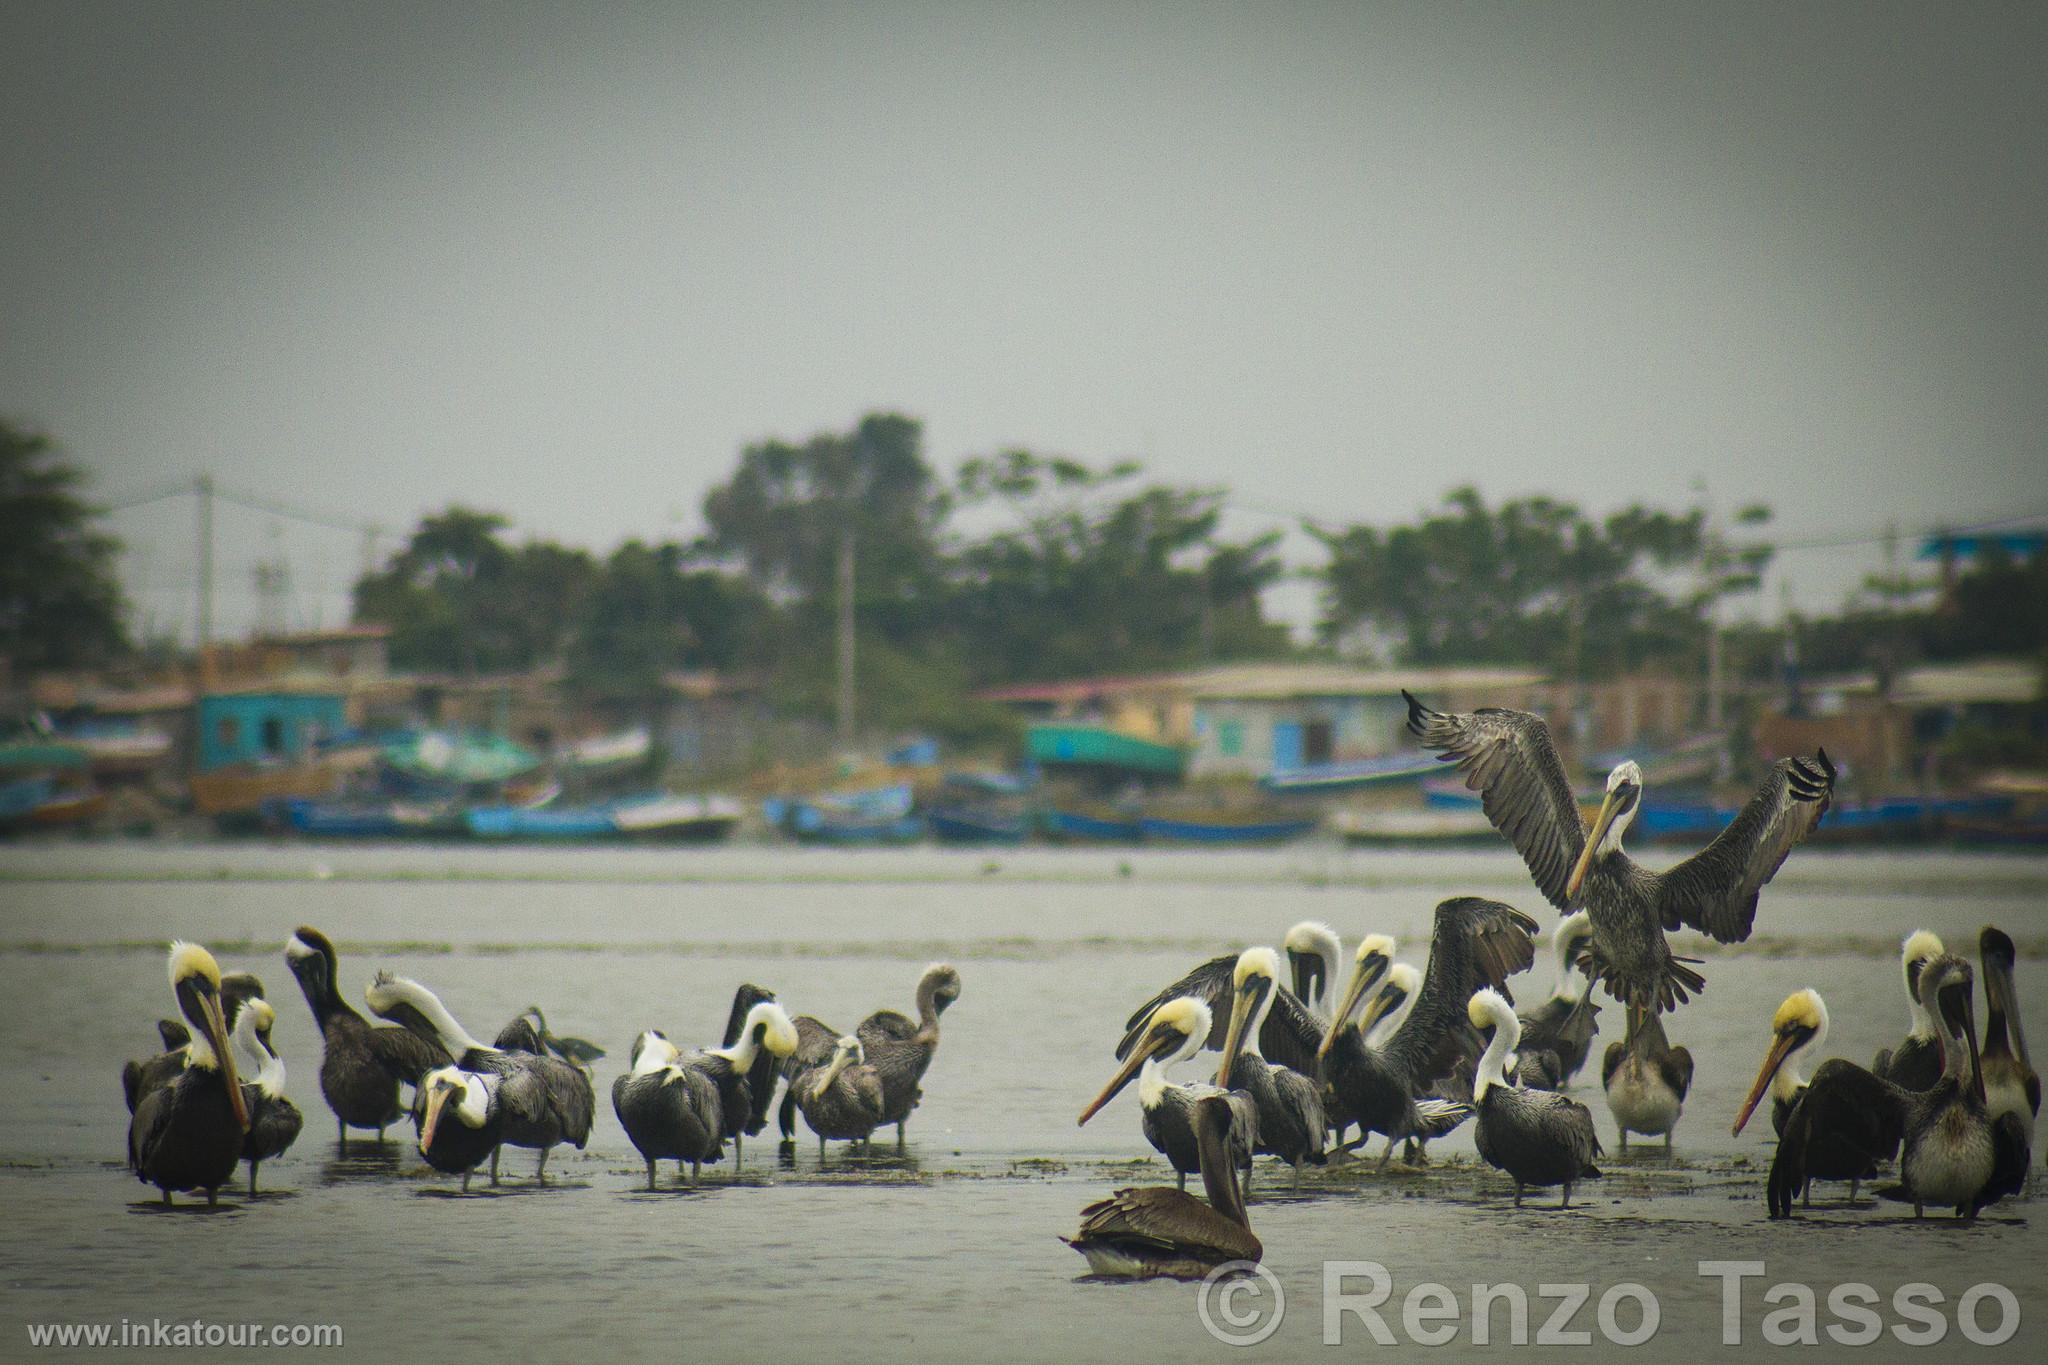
[(1386, 1089), (1507, 757), (1176, 1032), (1952, 1151), (898, 1049), (139, 1077), (844, 1099), (1539, 1137), (536, 1101), (1153, 1231), (1646, 1079), (1916, 1062), (361, 1064), (672, 1112), (274, 1121), (187, 1133), (2011, 1085), (1289, 1104), (459, 1121), (1314, 957), (767, 1065)]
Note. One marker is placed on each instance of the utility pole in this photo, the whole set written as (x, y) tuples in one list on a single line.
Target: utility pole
[(203, 488), (846, 638)]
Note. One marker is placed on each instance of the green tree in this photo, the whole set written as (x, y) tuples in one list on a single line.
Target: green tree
[(1532, 581), (60, 600), (648, 613)]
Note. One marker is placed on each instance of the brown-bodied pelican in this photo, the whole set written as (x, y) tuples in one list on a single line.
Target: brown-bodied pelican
[(274, 1121), (843, 1099), (540, 1100), (1539, 1137), (1151, 1231), (1292, 1030), (765, 1029), (1507, 757), (1558, 1034), (2011, 1085), (458, 1120), (187, 1134), (1916, 1062), (761, 1077), (1845, 1149), (1474, 942), (1646, 1079), (1953, 1152), (139, 1077), (1175, 1033), (902, 1051), (670, 1111), (361, 1064), (1290, 1105)]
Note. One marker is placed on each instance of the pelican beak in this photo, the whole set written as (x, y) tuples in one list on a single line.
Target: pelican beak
[(1233, 1041), (1608, 808), (1364, 976), (217, 1033), (1382, 1005), (1156, 1042), (437, 1099), (1970, 1034), (1781, 1048)]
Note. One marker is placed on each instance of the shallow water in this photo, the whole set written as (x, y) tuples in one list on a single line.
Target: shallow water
[(950, 1249)]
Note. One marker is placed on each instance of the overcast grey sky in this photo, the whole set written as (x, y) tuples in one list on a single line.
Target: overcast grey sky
[(563, 261)]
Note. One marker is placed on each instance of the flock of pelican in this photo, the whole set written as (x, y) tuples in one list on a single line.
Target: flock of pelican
[(1406, 1054), (1413, 1055), (193, 1118)]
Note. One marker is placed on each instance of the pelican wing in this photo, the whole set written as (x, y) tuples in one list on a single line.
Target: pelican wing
[(405, 1054), (1715, 890), (1508, 758), (2011, 1158), (743, 1000), (1290, 1035), (1476, 942), (1167, 1220), (1861, 1117), (815, 1040), (519, 1036), (893, 1024)]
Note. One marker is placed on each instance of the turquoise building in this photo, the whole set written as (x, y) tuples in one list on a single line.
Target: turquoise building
[(265, 727)]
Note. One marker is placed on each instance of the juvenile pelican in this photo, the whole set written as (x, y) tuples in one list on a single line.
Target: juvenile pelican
[(1916, 1062), (901, 1052), (1290, 1105), (538, 1101), (2011, 1085), (1953, 1152), (843, 1099), (1539, 1137), (1646, 1079), (187, 1134), (1175, 1034), (274, 1121), (1507, 757), (361, 1065), (1153, 1231), (670, 1111)]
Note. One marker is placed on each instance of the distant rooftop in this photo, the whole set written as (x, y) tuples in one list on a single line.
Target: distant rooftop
[(1272, 680)]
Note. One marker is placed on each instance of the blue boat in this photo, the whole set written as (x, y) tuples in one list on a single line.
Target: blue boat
[(340, 819), (1223, 832), (19, 798), (547, 822), (1082, 827), (821, 829), (978, 825)]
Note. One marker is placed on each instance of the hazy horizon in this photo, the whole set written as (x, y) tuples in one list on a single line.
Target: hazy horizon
[(376, 259)]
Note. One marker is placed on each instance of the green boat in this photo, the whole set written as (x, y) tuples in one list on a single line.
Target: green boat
[(1094, 746), (466, 759)]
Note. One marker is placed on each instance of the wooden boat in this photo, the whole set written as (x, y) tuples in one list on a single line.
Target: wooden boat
[(546, 822), (341, 819), (979, 824), (1225, 830), (1103, 749), (815, 827), (604, 753), (1090, 826), (1433, 827), (678, 818), (1351, 774), (72, 807), (242, 790)]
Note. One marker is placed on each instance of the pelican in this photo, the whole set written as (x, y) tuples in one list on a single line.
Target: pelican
[(1474, 942), (1646, 1079), (1175, 1034), (361, 1065), (1916, 1062), (1290, 1105), (761, 1077), (456, 1137), (1392, 1006), (1153, 1231), (1798, 1029), (140, 1077), (538, 1100), (670, 1111), (187, 1134), (842, 1099), (1292, 1030), (2011, 1085), (901, 1052), (1314, 956), (274, 1121), (1558, 1034), (1539, 1137), (1507, 757), (765, 1028), (1954, 1152)]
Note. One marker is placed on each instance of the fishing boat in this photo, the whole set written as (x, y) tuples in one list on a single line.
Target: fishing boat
[(979, 824), (1103, 750), (340, 819), (1350, 774), (1222, 830), (683, 819), (605, 753), (866, 815), (815, 826), (447, 758), (1426, 827), (546, 822), (1077, 825)]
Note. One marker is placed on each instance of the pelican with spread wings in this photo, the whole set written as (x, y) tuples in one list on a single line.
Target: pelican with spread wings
[(1508, 758)]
